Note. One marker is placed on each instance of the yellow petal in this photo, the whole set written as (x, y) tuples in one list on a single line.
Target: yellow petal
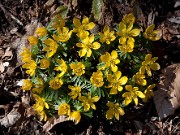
[(123, 80), (114, 54), (95, 99), (116, 116), (118, 74), (140, 94), (130, 26), (148, 57), (91, 38), (110, 104), (113, 91), (134, 32), (82, 52), (122, 26), (120, 88), (155, 66), (90, 26), (110, 78), (127, 101), (135, 100), (121, 111), (85, 20), (96, 45), (76, 22), (122, 40), (109, 114), (150, 28), (106, 29), (128, 87), (89, 52), (114, 68), (93, 106)]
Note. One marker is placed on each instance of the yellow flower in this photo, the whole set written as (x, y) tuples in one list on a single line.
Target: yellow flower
[(44, 63), (64, 109), (32, 40), (149, 92), (114, 110), (39, 86), (149, 64), (27, 84), (111, 60), (25, 55), (39, 107), (129, 18), (62, 67), (78, 68), (63, 34), (116, 82), (75, 116), (58, 22), (152, 34), (42, 31), (56, 83), (40, 103), (107, 36), (75, 91), (133, 94), (31, 66), (128, 46), (127, 32), (97, 79), (85, 25), (139, 79), (86, 45), (51, 47), (88, 102)]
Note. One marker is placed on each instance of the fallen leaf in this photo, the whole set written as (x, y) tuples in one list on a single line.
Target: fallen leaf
[(1, 67), (54, 121), (167, 97), (11, 118)]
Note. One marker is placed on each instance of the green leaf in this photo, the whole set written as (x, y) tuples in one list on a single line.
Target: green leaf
[(97, 8)]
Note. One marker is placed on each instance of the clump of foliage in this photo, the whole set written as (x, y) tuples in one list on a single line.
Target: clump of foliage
[(72, 70)]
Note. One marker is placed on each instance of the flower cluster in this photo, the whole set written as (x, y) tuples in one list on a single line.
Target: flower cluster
[(74, 72)]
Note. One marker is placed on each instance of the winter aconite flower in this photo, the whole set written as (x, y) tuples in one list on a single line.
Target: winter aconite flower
[(63, 34), (27, 84), (152, 34), (39, 107), (107, 35), (111, 60), (114, 110), (44, 63), (25, 55), (75, 91), (97, 79), (126, 31), (38, 86), (132, 94), (86, 45), (58, 22), (78, 68), (75, 116), (85, 25), (88, 102), (30, 66), (32, 40), (149, 92), (140, 79), (116, 82), (64, 109), (129, 18), (55, 83), (128, 46), (42, 31), (51, 47), (62, 66), (149, 64)]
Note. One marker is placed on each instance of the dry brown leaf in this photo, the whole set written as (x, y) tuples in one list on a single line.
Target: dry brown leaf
[(1, 67), (167, 97), (54, 121), (11, 118), (8, 53)]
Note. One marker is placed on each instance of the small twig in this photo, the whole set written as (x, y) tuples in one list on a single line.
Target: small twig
[(10, 15)]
